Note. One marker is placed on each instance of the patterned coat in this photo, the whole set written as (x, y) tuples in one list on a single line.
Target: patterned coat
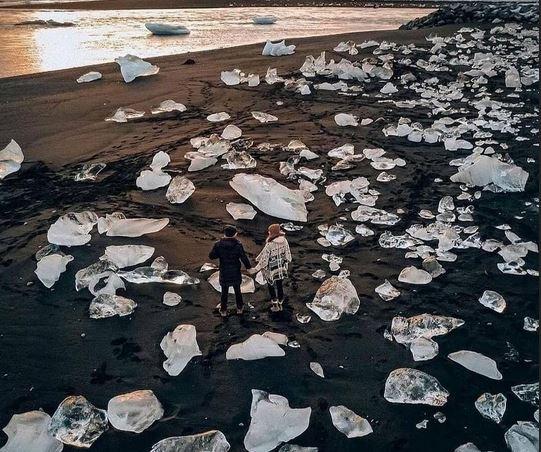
[(274, 259)]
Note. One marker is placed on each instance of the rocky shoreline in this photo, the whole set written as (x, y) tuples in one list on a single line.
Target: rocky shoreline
[(479, 12)]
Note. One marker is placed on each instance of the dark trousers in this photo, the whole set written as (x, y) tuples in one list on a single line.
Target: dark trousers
[(276, 290), (225, 292)]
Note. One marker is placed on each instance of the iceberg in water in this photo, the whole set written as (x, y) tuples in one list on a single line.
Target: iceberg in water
[(414, 387), (336, 296), (132, 67), (166, 29), (264, 20), (486, 170), (76, 422), (11, 158), (135, 411), (28, 432), (179, 346), (277, 49), (211, 441), (271, 197), (273, 422)]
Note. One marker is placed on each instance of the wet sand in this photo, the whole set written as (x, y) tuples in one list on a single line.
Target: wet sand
[(60, 125)]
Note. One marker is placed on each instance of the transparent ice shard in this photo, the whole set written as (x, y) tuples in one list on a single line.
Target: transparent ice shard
[(414, 387), (50, 267), (28, 432), (476, 362), (491, 406), (255, 347), (132, 67), (135, 411), (11, 158), (179, 190), (211, 441), (349, 423), (335, 297), (240, 211), (89, 77), (179, 346), (109, 305)]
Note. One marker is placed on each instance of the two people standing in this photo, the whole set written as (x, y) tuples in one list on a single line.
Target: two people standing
[(273, 261)]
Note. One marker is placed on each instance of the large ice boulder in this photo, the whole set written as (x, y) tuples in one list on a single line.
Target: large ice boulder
[(28, 432), (179, 346), (257, 346), (211, 441), (76, 422), (11, 158), (135, 411), (273, 422), (415, 387), (486, 170), (336, 296), (271, 197), (132, 67)]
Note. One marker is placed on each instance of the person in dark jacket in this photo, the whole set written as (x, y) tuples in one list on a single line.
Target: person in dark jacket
[(231, 254)]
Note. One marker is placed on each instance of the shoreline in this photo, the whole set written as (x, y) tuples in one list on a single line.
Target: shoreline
[(107, 5)]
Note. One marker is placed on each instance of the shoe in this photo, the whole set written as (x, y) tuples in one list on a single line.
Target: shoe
[(240, 311), (275, 306), (223, 313)]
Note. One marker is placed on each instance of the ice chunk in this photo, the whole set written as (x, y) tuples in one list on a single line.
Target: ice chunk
[(512, 78), (527, 393), (414, 275), (89, 77), (72, 229), (166, 29), (433, 267), (211, 441), (247, 284), (295, 448), (179, 346), (134, 227), (335, 297), (231, 132), (415, 387), (123, 114), (347, 46), (375, 216), (151, 180), (127, 255), (264, 20), (349, 423), (11, 158), (134, 411), (179, 190), (271, 197), (263, 117), (76, 422), (230, 78), (277, 49), (273, 422), (345, 119), (493, 300), (171, 299), (240, 211), (255, 347), (317, 369), (467, 447), (28, 432), (486, 170), (388, 88), (158, 272), (491, 406), (218, 117), (424, 349), (476, 362), (132, 67), (337, 235), (168, 106), (109, 305), (406, 330), (89, 171), (523, 437), (387, 291), (50, 268)]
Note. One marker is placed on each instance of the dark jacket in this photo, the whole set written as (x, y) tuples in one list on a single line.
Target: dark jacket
[(231, 253)]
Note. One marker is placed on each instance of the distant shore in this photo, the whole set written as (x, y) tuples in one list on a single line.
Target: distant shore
[(180, 4)]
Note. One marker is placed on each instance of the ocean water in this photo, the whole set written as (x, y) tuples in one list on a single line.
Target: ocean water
[(101, 36)]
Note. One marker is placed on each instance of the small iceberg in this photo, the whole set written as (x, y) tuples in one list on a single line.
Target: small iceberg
[(264, 20), (166, 29)]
